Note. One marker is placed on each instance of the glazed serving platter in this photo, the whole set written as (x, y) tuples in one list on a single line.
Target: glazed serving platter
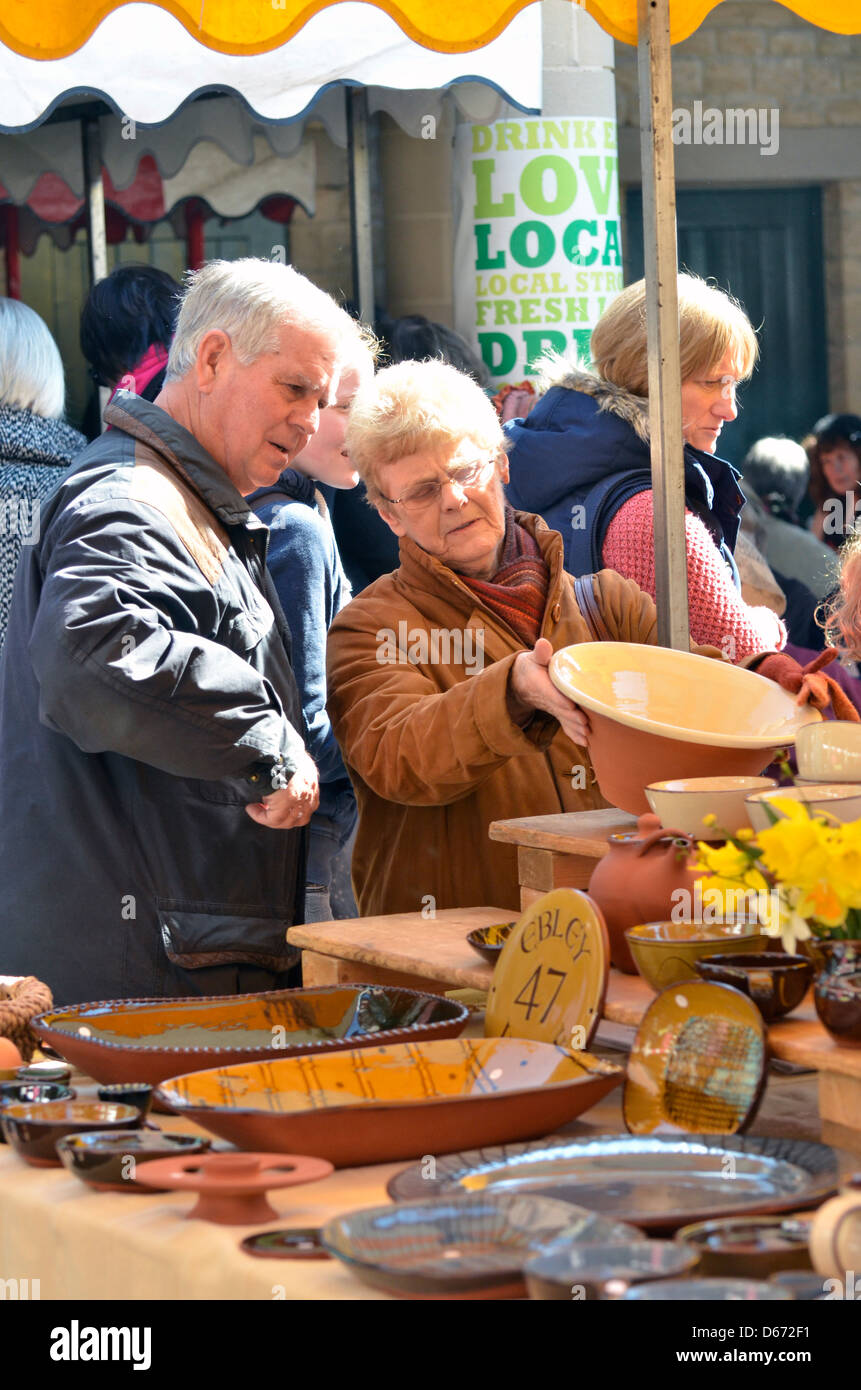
[(656, 1183), (147, 1040), (462, 1247), (698, 1062), (384, 1103)]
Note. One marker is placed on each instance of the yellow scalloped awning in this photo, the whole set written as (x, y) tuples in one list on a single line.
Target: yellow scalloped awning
[(54, 28)]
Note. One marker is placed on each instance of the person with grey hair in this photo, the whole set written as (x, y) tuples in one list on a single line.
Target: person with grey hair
[(36, 446), (775, 474), (155, 776)]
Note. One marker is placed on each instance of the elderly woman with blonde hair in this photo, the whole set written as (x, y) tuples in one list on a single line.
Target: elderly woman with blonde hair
[(582, 459), (439, 691)]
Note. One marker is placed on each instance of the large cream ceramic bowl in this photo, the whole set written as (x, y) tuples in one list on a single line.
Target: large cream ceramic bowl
[(836, 801), (830, 751), (658, 714), (684, 803)]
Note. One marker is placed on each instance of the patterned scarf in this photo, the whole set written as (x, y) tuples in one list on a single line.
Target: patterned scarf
[(517, 593)]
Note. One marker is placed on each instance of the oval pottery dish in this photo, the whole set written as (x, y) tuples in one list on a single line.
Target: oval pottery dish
[(147, 1040), (33, 1130), (464, 1247), (698, 1062), (646, 727), (749, 1247), (385, 1103), (665, 952), (489, 941), (109, 1162), (656, 1182), (774, 980), (564, 1271)]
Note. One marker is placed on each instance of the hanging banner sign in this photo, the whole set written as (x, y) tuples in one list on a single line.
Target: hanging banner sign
[(538, 252)]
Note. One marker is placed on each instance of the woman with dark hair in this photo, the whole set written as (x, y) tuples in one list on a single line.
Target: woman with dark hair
[(834, 450), (126, 327)]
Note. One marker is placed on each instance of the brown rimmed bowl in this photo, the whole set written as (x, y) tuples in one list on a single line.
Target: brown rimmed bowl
[(33, 1130), (775, 981), (108, 1160)]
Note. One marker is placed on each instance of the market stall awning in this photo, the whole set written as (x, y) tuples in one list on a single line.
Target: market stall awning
[(54, 29), (53, 52)]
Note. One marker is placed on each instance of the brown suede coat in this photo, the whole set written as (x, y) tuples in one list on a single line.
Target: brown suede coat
[(431, 750)]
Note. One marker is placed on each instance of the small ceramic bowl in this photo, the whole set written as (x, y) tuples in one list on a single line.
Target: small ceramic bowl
[(602, 1271), (34, 1129), (49, 1070), (837, 997), (775, 981), (685, 802), (665, 952), (829, 752), (837, 801), (31, 1093), (135, 1093), (708, 1291), (108, 1161), (489, 941), (749, 1247)]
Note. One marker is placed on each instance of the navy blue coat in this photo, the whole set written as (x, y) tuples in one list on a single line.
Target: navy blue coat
[(568, 453)]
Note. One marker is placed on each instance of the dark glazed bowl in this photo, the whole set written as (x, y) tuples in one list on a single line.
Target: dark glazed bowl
[(775, 981), (489, 941), (134, 1093), (749, 1247), (108, 1161), (837, 991), (31, 1093), (34, 1129)]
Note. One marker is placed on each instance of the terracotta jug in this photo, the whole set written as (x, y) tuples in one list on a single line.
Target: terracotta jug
[(635, 881)]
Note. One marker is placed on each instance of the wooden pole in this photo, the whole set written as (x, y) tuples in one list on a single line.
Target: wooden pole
[(360, 202), (13, 252), (94, 204), (662, 322)]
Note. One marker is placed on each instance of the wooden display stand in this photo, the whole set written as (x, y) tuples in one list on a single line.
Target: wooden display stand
[(559, 851)]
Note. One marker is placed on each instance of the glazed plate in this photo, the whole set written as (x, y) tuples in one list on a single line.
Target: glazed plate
[(148, 1040), (656, 1183), (386, 1103), (462, 1247), (708, 1291), (605, 1270), (698, 1062), (551, 976)]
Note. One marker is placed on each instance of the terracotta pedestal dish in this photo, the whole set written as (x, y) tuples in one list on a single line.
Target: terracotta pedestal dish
[(232, 1187)]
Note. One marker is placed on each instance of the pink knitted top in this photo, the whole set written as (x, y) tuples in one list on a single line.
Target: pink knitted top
[(719, 615)]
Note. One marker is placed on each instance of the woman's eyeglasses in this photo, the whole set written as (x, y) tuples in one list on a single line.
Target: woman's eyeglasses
[(424, 495)]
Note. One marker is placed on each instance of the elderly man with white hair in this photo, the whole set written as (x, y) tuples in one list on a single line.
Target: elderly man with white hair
[(150, 727)]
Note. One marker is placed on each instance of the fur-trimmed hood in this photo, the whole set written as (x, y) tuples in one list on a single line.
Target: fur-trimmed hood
[(608, 397)]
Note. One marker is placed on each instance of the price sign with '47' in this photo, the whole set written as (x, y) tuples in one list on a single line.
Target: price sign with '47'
[(551, 976)]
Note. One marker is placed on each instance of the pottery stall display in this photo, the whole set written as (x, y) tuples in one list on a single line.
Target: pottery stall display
[(148, 1040), (461, 1247), (698, 1062), (775, 981), (665, 953), (33, 1130), (750, 1247), (656, 1182), (837, 990), (706, 808), (638, 880), (829, 752), (836, 801), (646, 727), (565, 1271), (109, 1162)]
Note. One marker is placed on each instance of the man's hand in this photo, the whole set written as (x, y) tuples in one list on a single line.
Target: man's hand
[(295, 805), (530, 688)]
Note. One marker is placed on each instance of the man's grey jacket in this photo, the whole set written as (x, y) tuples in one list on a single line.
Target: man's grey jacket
[(145, 683)]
